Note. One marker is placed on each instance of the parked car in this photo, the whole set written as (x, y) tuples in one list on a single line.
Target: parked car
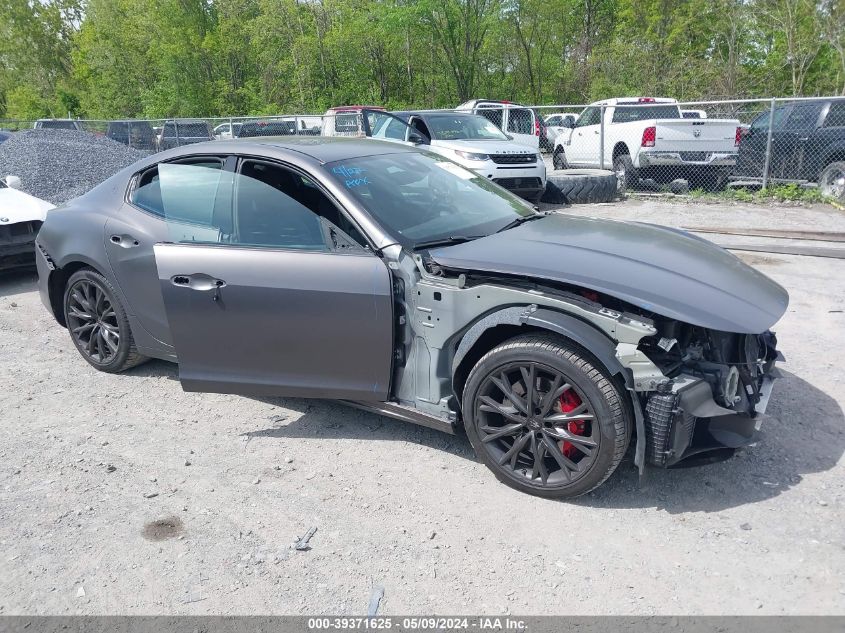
[(282, 126), (808, 145), (396, 280), (176, 133), (21, 216), (694, 114), (267, 127), (557, 124), (472, 141), (58, 124), (227, 130), (346, 120), (646, 137), (136, 134), (515, 120)]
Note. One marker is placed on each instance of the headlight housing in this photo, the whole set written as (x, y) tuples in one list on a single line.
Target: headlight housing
[(472, 156)]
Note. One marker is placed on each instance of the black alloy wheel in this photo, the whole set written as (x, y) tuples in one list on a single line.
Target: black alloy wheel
[(98, 324), (545, 417)]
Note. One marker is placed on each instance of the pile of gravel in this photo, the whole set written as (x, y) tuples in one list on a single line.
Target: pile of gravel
[(57, 165)]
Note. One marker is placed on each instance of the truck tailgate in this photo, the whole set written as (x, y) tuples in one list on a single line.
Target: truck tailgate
[(696, 135)]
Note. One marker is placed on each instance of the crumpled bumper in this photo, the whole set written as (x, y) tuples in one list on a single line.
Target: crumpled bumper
[(686, 422)]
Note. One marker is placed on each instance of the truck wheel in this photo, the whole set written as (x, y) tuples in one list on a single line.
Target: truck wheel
[(626, 175), (559, 158), (583, 186), (545, 417), (832, 181)]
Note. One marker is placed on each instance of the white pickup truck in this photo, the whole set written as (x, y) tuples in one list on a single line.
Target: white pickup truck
[(648, 138)]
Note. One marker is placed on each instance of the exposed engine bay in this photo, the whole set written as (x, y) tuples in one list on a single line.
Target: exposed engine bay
[(719, 385)]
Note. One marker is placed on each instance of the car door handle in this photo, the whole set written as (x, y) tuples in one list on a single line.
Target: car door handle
[(124, 241), (198, 281)]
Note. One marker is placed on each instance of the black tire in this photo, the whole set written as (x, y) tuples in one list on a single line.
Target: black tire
[(559, 158), (585, 186), (832, 181), (97, 323), (545, 356), (626, 176)]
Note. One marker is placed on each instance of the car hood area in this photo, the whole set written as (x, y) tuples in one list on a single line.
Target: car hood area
[(484, 147), (17, 206), (662, 270)]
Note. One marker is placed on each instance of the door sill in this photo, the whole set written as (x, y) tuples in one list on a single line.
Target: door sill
[(406, 414)]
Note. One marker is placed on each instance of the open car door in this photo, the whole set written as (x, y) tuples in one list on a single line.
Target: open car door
[(263, 294)]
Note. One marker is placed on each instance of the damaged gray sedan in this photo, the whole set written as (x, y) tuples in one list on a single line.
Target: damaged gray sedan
[(402, 283)]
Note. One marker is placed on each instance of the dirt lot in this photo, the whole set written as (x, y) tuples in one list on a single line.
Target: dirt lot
[(90, 462)]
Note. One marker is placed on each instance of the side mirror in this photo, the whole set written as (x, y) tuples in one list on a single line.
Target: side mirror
[(417, 139), (568, 123), (12, 182)]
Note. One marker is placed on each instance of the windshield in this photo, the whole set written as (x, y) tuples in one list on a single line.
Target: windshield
[(453, 127), (420, 197)]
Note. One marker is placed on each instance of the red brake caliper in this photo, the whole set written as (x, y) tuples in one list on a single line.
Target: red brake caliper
[(570, 401)]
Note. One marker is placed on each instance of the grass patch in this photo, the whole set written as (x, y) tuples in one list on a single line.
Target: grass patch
[(777, 193)]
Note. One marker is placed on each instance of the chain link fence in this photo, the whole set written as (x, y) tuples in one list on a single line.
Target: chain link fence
[(651, 144)]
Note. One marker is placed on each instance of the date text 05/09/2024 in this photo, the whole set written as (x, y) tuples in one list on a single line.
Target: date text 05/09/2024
[(416, 623)]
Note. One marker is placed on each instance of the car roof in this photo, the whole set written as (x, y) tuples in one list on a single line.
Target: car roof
[(324, 149)]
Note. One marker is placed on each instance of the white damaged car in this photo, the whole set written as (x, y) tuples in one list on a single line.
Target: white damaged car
[(471, 141), (21, 215)]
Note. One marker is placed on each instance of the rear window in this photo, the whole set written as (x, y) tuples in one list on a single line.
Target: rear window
[(494, 115), (836, 115), (804, 116), (628, 113), (520, 121), (58, 125)]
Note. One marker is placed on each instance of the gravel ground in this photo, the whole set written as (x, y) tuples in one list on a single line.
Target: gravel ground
[(58, 165), (123, 494)]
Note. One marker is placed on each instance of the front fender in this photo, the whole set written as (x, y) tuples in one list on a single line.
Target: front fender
[(572, 328)]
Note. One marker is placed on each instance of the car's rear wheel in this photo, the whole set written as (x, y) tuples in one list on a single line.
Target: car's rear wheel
[(98, 324), (545, 417)]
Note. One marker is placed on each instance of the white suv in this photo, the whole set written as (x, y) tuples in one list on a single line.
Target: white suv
[(469, 140)]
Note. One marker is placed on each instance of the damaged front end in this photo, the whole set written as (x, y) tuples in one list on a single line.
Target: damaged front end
[(715, 395)]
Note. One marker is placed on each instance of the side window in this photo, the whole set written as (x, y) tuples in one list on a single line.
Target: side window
[(184, 192), (590, 116), (553, 120), (836, 115), (494, 115), (520, 121), (280, 208), (804, 117), (762, 121)]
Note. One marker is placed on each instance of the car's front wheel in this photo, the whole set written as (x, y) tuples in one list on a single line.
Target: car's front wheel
[(545, 417), (98, 324)]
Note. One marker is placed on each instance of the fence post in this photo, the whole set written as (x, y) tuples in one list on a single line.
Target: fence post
[(232, 128), (176, 131), (601, 139), (768, 146)]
